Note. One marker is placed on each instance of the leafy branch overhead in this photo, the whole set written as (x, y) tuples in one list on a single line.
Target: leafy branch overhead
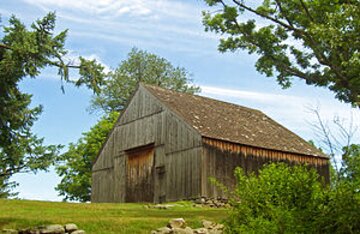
[(24, 53), (31, 51), (316, 41)]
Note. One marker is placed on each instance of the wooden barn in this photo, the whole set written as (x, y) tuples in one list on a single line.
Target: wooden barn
[(166, 145)]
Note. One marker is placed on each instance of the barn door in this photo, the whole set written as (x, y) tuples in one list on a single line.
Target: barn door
[(139, 175)]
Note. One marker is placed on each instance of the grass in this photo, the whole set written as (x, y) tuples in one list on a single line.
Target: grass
[(101, 218)]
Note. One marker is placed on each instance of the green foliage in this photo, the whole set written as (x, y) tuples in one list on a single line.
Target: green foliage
[(317, 41), (351, 164), (284, 199), (281, 199), (23, 53), (140, 66), (75, 164)]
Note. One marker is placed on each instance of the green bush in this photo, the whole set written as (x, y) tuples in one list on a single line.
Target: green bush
[(284, 199)]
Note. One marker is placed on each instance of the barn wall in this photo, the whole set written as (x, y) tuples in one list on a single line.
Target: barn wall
[(177, 145), (221, 158), (102, 185), (102, 174), (182, 148), (176, 160), (139, 125)]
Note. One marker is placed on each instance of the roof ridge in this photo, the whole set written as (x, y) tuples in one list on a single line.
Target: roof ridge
[(205, 97)]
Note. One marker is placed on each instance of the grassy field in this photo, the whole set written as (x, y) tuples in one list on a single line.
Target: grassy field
[(101, 218)]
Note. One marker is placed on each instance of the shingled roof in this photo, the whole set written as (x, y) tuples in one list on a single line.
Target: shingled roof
[(229, 122)]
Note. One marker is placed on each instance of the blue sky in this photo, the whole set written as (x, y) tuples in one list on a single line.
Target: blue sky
[(108, 29)]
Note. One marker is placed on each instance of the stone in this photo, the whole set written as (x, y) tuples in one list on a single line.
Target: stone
[(164, 207), (186, 230), (78, 232), (219, 226), (34, 231), (215, 231), (30, 230), (177, 223), (201, 231), (200, 200), (53, 229), (163, 230), (70, 227), (9, 231), (208, 224)]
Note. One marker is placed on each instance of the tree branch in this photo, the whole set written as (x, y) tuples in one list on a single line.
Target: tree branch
[(289, 27), (306, 10), (5, 46), (283, 13), (11, 171), (322, 59)]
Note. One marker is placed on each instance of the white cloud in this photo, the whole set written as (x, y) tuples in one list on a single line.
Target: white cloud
[(164, 24), (115, 8), (98, 7), (73, 58), (249, 95)]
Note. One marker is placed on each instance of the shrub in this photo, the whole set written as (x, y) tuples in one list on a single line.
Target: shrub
[(291, 199)]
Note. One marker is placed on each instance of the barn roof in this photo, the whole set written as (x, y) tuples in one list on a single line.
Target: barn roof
[(229, 122)]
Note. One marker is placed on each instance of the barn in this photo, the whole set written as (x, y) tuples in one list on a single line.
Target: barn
[(165, 145)]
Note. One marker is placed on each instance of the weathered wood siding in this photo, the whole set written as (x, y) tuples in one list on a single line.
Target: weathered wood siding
[(140, 175), (103, 174), (183, 159), (139, 125), (176, 159), (220, 159)]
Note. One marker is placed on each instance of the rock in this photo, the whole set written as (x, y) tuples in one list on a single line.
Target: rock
[(177, 223), (9, 231), (208, 224), (30, 230), (200, 200), (161, 206), (78, 232), (163, 230), (186, 230), (70, 227), (219, 226), (53, 229), (215, 231), (34, 231), (201, 231)]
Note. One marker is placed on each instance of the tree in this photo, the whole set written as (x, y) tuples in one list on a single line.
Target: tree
[(336, 139), (23, 54), (140, 66), (76, 163), (351, 164), (316, 41)]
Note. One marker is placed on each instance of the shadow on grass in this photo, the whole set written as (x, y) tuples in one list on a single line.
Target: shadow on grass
[(17, 223), (6, 221)]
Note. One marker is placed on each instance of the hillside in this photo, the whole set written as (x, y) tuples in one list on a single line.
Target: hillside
[(101, 218)]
